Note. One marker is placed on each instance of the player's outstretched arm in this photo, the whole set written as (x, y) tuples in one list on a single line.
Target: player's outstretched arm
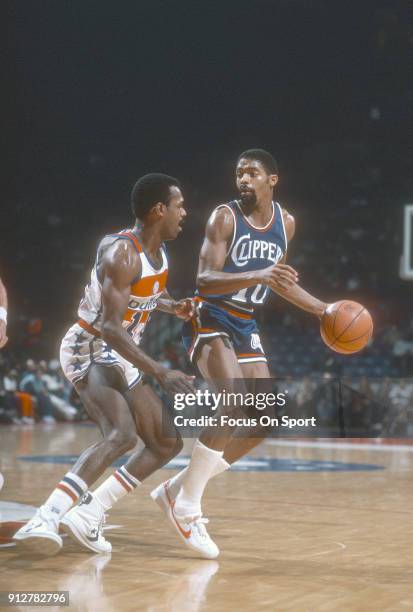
[(301, 298), (294, 293), (3, 315), (120, 266), (210, 278)]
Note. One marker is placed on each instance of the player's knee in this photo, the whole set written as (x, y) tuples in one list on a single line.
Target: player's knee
[(167, 448), (122, 441)]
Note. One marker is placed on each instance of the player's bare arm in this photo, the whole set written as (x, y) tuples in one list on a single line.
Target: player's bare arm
[(304, 300), (183, 309), (211, 279), (3, 315), (119, 267), (289, 224), (296, 294)]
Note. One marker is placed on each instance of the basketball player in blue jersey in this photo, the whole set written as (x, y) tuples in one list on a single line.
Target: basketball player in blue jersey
[(242, 258), (101, 357)]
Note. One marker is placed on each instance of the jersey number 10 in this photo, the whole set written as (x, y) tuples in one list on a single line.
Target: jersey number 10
[(255, 298)]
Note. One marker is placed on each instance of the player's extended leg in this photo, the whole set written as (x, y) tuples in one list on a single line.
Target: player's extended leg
[(105, 404), (217, 361), (166, 493), (155, 427), (241, 443)]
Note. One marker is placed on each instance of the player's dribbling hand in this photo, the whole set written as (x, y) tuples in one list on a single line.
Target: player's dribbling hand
[(185, 309), (174, 381), (279, 276), (3, 335)]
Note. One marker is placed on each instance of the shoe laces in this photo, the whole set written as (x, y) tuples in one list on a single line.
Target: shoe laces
[(96, 524), (44, 515), (101, 523), (199, 526)]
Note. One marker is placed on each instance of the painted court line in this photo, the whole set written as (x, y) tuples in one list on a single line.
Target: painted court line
[(394, 448)]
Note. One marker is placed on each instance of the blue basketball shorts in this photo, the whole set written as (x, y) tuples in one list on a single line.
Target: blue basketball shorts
[(212, 321)]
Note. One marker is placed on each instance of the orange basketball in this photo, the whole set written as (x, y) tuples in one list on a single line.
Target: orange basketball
[(346, 327)]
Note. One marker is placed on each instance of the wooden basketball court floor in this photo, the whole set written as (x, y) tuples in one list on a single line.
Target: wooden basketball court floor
[(306, 526)]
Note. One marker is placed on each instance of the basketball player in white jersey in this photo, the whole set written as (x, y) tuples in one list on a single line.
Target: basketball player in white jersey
[(242, 259), (101, 357), (3, 315)]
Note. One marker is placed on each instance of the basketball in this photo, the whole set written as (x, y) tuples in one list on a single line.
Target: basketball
[(346, 327)]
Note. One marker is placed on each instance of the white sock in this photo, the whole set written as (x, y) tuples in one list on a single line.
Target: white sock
[(66, 493), (199, 471), (115, 487), (174, 483)]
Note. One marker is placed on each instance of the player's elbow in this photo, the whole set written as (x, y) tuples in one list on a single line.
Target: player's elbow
[(204, 283)]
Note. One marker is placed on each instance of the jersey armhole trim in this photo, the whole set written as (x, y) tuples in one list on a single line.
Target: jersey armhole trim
[(283, 226), (130, 236), (235, 226), (133, 240)]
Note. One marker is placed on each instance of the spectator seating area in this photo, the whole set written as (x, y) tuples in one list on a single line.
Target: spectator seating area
[(32, 392)]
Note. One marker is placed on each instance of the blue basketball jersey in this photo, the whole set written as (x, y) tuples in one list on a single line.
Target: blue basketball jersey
[(252, 248)]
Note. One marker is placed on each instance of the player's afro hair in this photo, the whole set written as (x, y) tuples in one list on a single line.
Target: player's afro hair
[(149, 190), (267, 160)]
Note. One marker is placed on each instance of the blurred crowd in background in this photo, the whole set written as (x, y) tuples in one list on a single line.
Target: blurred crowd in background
[(33, 392), (360, 407)]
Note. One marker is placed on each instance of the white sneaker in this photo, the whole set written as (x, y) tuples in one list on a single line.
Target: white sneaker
[(192, 530), (84, 524), (40, 534), (163, 497)]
